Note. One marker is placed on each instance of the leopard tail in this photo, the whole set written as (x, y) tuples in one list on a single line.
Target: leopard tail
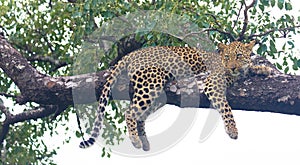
[(103, 100)]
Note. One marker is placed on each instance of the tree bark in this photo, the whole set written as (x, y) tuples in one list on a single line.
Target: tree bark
[(278, 93)]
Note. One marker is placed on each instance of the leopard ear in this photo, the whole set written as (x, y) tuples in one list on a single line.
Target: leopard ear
[(250, 45), (221, 46)]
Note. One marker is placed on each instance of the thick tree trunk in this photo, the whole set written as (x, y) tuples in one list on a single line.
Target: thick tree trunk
[(279, 93)]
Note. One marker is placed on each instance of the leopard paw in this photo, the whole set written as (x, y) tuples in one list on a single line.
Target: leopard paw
[(145, 142), (232, 131), (136, 142)]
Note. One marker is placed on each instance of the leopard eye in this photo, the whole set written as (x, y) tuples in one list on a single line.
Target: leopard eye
[(239, 55)]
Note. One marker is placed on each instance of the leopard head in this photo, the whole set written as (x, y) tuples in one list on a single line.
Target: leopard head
[(236, 57)]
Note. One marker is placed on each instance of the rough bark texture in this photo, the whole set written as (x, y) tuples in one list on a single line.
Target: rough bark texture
[(279, 93)]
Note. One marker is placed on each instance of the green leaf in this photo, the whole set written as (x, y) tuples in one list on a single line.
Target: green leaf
[(78, 134), (272, 3), (298, 63), (286, 69), (278, 66), (273, 47), (262, 7), (103, 152), (280, 4), (87, 6), (262, 49), (288, 6), (295, 67), (265, 2), (284, 62), (291, 43)]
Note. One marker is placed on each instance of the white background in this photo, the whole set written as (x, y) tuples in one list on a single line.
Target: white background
[(264, 138)]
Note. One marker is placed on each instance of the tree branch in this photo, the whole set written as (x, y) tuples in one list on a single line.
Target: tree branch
[(40, 112), (279, 93), (24, 116)]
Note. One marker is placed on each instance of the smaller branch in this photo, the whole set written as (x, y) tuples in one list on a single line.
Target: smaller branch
[(79, 125), (7, 95), (106, 38), (50, 46), (5, 125), (26, 115), (57, 63), (4, 132), (192, 33), (5, 111), (41, 112), (72, 1), (3, 31), (125, 21), (215, 19), (272, 31), (245, 23), (238, 16), (232, 38), (204, 31)]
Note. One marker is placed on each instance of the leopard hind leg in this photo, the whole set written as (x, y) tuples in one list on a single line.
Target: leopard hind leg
[(146, 89)]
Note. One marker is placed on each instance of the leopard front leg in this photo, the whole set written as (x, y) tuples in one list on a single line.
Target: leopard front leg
[(227, 116), (262, 70), (215, 90)]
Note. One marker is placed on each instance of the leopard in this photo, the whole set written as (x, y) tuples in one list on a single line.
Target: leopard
[(150, 69)]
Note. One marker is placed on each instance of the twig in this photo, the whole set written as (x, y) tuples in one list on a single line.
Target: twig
[(7, 95), (57, 63), (206, 39), (215, 18), (245, 23), (72, 1), (271, 31), (3, 31), (50, 46), (79, 125), (207, 30), (232, 38), (238, 16)]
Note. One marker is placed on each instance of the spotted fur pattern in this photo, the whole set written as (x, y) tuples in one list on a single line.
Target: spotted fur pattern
[(149, 70)]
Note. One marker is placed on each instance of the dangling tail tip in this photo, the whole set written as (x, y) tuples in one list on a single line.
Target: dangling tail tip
[(87, 143)]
